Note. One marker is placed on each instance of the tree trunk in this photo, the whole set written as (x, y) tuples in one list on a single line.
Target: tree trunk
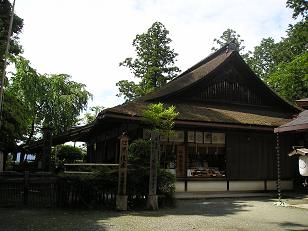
[(152, 202), (31, 132)]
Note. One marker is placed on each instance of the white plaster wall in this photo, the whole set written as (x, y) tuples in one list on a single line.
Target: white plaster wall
[(205, 186), (284, 184), (271, 185), (246, 185), (179, 186)]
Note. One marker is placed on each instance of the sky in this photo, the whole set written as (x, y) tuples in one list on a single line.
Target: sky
[(87, 39)]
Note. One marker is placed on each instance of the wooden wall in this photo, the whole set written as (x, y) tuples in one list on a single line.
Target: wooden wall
[(253, 156)]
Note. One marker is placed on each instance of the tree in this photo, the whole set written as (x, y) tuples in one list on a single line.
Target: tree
[(15, 47), (91, 115), (52, 101), (14, 124), (269, 53), (67, 153), (153, 65), (228, 36), (290, 80), (162, 121), (300, 7), (263, 59)]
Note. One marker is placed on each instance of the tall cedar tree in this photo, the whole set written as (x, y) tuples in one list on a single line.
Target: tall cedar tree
[(14, 121), (153, 65)]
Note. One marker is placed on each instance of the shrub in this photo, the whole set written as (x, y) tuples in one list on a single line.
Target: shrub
[(138, 176)]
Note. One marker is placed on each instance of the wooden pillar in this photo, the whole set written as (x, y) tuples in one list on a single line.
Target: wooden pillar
[(152, 202), (121, 199), (46, 148), (1, 161)]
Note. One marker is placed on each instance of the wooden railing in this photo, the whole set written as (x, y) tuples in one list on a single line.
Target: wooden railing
[(44, 190)]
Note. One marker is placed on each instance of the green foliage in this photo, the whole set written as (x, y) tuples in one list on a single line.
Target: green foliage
[(153, 65), (14, 124), (291, 79), (89, 188), (139, 154), (90, 116), (300, 7), (161, 118), (15, 48), (228, 36), (52, 101), (138, 175), (67, 153), (263, 59)]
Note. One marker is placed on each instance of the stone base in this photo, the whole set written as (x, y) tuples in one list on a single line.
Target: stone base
[(152, 202), (121, 202)]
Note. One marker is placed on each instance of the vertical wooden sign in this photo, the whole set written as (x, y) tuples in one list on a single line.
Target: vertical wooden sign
[(180, 161), (1, 161), (123, 165)]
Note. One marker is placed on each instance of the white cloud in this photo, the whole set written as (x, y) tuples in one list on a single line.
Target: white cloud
[(88, 39)]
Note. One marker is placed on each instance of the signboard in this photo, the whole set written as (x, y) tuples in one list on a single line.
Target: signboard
[(123, 165), (180, 161), (199, 137), (191, 136), (218, 138), (1, 161)]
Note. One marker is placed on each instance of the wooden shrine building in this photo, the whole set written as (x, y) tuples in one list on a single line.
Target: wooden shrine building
[(224, 137)]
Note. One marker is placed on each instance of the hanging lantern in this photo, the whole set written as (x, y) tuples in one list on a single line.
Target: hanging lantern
[(302, 160), (303, 165)]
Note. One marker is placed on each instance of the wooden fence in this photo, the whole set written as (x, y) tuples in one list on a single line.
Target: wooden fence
[(43, 190)]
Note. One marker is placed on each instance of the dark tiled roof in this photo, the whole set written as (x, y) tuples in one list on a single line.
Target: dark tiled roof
[(192, 75), (298, 124), (207, 113)]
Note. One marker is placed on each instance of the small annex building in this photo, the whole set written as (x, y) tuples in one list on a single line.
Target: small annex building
[(224, 134)]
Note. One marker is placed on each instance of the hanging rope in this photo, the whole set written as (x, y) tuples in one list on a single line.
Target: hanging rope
[(278, 167)]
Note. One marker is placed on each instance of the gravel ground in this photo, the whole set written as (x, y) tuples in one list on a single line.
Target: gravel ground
[(208, 214)]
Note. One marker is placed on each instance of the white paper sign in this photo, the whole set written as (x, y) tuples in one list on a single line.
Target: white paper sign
[(199, 137), (191, 136), (218, 138)]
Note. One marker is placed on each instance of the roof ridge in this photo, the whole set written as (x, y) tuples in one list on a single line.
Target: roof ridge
[(203, 61)]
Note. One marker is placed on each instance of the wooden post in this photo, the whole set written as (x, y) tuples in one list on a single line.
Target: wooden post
[(1, 161), (152, 202), (121, 198), (46, 148), (26, 187)]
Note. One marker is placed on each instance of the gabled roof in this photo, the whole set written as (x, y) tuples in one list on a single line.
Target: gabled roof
[(193, 74), (204, 112)]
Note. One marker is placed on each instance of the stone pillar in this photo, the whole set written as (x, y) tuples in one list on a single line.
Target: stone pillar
[(121, 198), (152, 202), (47, 136)]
